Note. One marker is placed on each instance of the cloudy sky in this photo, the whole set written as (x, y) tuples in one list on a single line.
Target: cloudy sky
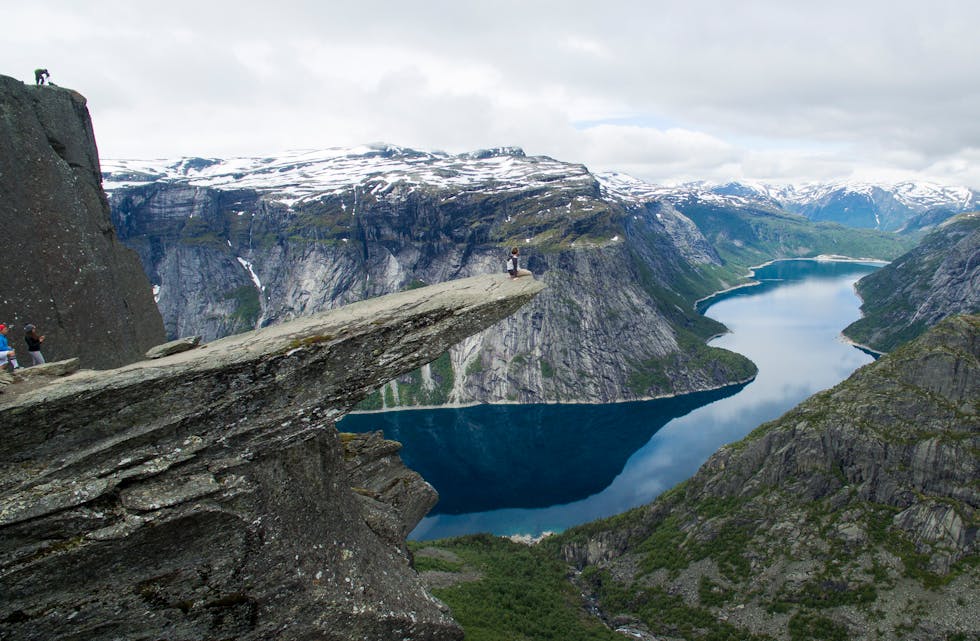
[(780, 90)]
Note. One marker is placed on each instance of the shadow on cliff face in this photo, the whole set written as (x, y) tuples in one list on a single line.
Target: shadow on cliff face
[(488, 457)]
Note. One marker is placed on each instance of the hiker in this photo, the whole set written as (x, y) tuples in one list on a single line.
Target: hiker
[(34, 341), (40, 75), (7, 355), (512, 267)]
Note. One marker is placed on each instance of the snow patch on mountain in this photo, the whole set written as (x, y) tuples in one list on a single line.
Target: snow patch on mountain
[(297, 176), (377, 171)]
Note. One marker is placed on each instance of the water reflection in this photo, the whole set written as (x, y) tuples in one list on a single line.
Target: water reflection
[(512, 469), (493, 456)]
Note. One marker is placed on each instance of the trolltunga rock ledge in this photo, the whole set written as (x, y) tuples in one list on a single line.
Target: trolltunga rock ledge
[(208, 494)]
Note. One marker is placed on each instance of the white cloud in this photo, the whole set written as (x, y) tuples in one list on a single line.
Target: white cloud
[(673, 90)]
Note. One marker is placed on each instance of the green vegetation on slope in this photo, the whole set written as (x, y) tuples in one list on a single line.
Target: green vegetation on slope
[(247, 307), (905, 298), (413, 390), (751, 236), (522, 593)]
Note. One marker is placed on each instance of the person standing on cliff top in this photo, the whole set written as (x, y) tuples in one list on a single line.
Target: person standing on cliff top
[(40, 75), (34, 341), (512, 267), (7, 354)]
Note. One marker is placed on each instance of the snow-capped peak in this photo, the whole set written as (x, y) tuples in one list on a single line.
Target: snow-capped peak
[(300, 175)]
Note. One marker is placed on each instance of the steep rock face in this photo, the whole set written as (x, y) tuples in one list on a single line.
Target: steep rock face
[(207, 494), (939, 278), (64, 269), (855, 514), (615, 323)]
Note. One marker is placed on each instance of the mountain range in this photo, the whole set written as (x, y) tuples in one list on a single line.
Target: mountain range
[(303, 175), (900, 206), (234, 244)]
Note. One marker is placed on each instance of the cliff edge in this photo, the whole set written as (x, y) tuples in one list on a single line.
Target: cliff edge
[(938, 278), (64, 270), (207, 494)]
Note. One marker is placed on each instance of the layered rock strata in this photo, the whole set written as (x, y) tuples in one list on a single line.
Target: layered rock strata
[(207, 494)]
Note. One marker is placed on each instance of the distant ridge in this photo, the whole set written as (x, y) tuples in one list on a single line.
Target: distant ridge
[(301, 175)]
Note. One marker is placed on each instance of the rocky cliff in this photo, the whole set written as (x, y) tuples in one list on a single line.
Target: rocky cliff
[(238, 243), (208, 495), (64, 269), (936, 279), (854, 516)]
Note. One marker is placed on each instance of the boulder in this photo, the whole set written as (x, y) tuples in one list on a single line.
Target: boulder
[(173, 347)]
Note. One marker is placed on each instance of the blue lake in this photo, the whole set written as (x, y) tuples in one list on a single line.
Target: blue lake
[(528, 469)]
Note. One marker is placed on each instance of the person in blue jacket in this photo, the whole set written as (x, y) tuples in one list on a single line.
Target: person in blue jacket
[(7, 355)]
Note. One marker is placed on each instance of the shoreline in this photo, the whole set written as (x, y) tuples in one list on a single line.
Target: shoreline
[(847, 339), (645, 399), (864, 348), (827, 258), (751, 273)]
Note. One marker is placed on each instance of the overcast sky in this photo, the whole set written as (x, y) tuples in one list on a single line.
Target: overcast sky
[(781, 90)]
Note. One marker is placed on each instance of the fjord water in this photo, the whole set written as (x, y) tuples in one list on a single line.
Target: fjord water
[(528, 469)]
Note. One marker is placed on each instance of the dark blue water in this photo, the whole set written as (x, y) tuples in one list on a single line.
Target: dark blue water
[(527, 469)]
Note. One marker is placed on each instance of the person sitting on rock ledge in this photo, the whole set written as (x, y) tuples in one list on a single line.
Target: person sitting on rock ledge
[(7, 355), (40, 75), (512, 268)]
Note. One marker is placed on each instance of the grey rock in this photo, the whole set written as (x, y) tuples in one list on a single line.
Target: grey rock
[(208, 495), (173, 347), (395, 497), (70, 274), (938, 278), (57, 368)]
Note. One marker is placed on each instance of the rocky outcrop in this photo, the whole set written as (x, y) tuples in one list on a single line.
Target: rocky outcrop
[(64, 270), (855, 515), (938, 278), (207, 494)]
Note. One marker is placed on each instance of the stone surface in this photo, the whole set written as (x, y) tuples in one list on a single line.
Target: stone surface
[(395, 497), (173, 347), (57, 368), (208, 495), (69, 274)]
